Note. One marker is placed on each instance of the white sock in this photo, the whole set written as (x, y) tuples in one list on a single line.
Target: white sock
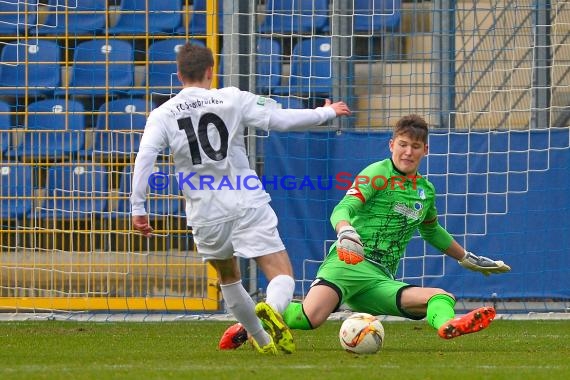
[(280, 292), (242, 307)]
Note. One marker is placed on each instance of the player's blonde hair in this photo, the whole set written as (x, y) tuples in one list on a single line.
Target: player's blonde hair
[(412, 125), (193, 61)]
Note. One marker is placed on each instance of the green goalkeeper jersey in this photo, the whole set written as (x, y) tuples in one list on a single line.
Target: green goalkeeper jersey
[(386, 207)]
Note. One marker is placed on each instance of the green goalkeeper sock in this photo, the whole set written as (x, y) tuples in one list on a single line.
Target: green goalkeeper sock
[(440, 310), (294, 316)]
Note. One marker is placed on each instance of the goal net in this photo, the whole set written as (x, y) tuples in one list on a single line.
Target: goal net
[(491, 78)]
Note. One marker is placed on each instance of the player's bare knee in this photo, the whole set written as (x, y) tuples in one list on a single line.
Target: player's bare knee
[(438, 291), (428, 293), (227, 270), (316, 317), (275, 264), (316, 322), (414, 297)]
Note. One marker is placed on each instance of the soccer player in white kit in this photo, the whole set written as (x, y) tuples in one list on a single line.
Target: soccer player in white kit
[(226, 204)]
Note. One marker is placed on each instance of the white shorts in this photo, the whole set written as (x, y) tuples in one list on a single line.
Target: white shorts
[(252, 235)]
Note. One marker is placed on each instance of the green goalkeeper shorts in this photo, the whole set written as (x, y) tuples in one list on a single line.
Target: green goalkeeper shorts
[(363, 287)]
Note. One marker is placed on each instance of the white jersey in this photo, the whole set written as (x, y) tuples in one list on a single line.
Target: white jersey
[(204, 130)]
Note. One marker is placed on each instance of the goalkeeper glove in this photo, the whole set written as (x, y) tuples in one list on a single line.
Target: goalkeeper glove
[(349, 247), (483, 264)]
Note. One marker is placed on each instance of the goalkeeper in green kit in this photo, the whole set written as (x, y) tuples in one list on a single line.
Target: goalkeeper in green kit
[(388, 201)]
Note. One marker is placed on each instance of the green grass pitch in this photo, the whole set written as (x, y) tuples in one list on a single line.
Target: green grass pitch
[(188, 350)]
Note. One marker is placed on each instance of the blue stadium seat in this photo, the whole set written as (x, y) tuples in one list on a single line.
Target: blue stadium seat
[(197, 19), (17, 16), (295, 16), (38, 60), (16, 183), (5, 126), (311, 68), (119, 127), (91, 60), (374, 16), (85, 17), (268, 65), (159, 202), (75, 191), (163, 17), (55, 130), (162, 69)]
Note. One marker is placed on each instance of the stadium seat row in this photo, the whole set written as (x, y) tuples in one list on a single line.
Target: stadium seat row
[(313, 17), (310, 71), (96, 63), (56, 129), (281, 16), (88, 17), (75, 191)]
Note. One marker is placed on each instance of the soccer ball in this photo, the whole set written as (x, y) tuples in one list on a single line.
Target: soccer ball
[(361, 333)]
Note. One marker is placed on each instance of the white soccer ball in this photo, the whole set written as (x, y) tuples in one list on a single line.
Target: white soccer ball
[(361, 333)]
